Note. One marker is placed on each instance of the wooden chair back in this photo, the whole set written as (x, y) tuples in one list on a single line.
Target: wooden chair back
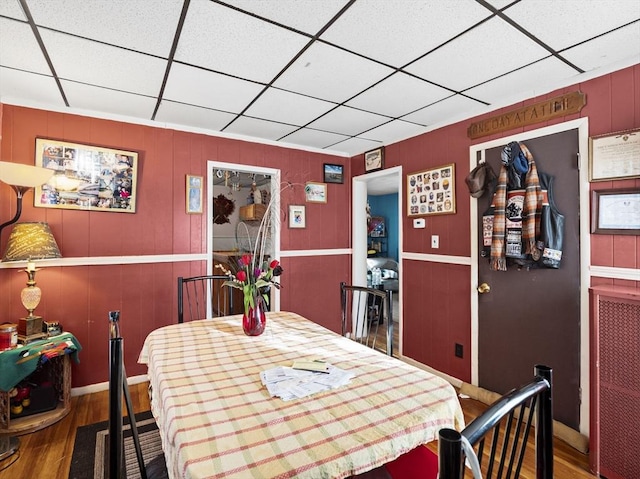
[(366, 312)]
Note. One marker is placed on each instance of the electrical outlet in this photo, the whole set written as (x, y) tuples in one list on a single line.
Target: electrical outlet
[(435, 241), (459, 350)]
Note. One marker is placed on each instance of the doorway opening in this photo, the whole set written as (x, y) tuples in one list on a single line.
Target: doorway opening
[(379, 183), (241, 184)]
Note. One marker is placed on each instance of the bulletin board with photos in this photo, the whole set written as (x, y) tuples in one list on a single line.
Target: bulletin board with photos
[(432, 191)]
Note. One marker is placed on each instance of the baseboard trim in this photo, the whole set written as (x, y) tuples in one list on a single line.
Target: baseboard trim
[(455, 382), (95, 388)]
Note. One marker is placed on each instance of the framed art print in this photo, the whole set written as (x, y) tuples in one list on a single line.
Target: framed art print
[(432, 191), (374, 160), (315, 192), (297, 216), (194, 194), (86, 177), (333, 173)]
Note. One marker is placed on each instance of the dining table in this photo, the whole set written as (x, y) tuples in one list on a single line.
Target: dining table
[(217, 420)]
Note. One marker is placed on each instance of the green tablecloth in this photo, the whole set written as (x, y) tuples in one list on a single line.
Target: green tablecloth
[(12, 373)]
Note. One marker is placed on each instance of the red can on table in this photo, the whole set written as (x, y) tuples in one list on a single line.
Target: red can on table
[(8, 336)]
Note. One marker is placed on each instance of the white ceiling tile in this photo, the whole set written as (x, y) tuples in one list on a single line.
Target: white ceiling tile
[(286, 107), (398, 95), (331, 74), (499, 3), (526, 82), (19, 49), (394, 131), (305, 15), (315, 138), (259, 128), (399, 32), (143, 25), (355, 146), (179, 114), (12, 10), (17, 84), (224, 40), (204, 88), (449, 108), (563, 24), (109, 56), (477, 56), (102, 65), (88, 97), (607, 50), (348, 121)]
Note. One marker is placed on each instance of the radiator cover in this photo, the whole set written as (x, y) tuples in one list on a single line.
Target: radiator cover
[(615, 382)]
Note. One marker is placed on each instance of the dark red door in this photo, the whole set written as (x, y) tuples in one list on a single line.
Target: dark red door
[(532, 316)]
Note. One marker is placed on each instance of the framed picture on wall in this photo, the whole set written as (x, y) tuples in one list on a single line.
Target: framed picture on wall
[(333, 173), (194, 194), (86, 177), (297, 216), (374, 160), (616, 212), (614, 156), (432, 191), (315, 192)]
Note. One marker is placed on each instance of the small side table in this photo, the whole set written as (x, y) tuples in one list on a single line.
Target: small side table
[(19, 364)]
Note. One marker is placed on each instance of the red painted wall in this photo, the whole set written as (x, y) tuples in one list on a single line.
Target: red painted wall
[(80, 296), (436, 297)]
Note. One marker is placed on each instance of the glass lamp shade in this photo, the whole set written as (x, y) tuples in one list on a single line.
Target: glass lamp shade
[(29, 241), (16, 174)]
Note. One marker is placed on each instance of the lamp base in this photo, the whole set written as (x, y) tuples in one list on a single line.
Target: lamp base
[(30, 329)]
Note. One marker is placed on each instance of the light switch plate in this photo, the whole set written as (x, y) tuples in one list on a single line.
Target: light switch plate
[(435, 241)]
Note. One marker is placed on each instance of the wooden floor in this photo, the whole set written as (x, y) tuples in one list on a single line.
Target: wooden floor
[(47, 454)]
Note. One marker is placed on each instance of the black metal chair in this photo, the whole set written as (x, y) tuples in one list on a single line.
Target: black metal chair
[(201, 297), (502, 456), (119, 388), (364, 312), (516, 411)]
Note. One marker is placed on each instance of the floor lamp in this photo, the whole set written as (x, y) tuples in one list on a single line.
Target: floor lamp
[(21, 178)]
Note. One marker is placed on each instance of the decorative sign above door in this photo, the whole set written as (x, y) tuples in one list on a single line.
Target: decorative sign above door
[(563, 105)]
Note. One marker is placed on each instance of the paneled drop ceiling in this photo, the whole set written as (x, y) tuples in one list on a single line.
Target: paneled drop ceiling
[(334, 75)]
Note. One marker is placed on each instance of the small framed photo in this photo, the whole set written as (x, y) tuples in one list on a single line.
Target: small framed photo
[(616, 212), (194, 194), (315, 192), (374, 159), (333, 173), (297, 216)]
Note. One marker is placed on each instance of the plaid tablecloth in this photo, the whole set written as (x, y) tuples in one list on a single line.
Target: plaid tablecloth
[(216, 419)]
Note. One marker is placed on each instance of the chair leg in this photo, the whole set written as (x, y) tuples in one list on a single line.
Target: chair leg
[(115, 408)]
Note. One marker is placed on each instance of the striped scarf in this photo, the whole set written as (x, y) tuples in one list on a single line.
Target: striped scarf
[(532, 210)]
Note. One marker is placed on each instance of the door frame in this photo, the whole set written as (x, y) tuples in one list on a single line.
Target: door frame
[(213, 165), (359, 233), (582, 125)]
